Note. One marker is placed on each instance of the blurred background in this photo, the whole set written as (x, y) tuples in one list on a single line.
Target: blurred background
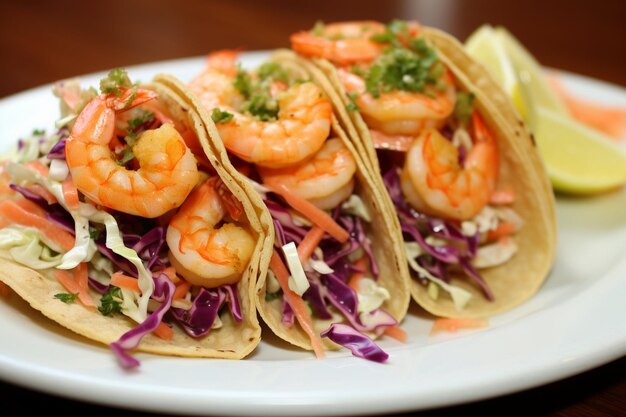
[(43, 41)]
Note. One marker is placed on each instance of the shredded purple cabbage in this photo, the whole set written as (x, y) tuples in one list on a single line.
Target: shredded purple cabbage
[(198, 320), (34, 197), (98, 287), (345, 299), (326, 291), (360, 345), (416, 226), (163, 291), (58, 150)]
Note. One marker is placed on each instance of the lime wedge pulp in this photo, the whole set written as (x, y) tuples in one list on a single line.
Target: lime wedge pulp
[(578, 159)]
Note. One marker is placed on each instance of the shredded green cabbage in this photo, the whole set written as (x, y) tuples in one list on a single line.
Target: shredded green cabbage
[(27, 246), (134, 306), (460, 297)]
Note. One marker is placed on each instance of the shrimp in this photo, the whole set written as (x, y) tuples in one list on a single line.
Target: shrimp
[(402, 112), (434, 182), (167, 169), (342, 43), (394, 113), (202, 253), (300, 129), (326, 180)]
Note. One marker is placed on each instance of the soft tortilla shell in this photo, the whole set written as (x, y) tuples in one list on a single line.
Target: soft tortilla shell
[(387, 251), (521, 170), (232, 341)]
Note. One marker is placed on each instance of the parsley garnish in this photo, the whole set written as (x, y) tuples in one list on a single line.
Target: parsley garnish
[(111, 301), (65, 297), (463, 106), (114, 80), (220, 116), (39, 132)]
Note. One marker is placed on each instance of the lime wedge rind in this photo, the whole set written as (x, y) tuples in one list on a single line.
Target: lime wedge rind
[(578, 159)]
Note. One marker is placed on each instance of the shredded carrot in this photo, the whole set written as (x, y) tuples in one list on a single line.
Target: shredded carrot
[(17, 214), (164, 331), (5, 290), (314, 214), (81, 277), (73, 285), (181, 290), (31, 207), (297, 304), (311, 241), (397, 333), (124, 281), (504, 229), (42, 192), (361, 264), (452, 325), (607, 119), (38, 166), (70, 192), (502, 197), (171, 274)]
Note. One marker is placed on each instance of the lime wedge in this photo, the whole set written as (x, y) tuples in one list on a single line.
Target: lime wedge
[(487, 47), (536, 92), (578, 159)]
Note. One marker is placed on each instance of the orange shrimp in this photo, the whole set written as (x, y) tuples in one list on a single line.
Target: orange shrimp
[(402, 112), (167, 168), (326, 180), (342, 43), (434, 182), (301, 127), (202, 253)]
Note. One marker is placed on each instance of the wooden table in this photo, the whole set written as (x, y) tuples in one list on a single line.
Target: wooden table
[(43, 41)]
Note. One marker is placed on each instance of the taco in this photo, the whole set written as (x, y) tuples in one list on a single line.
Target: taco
[(337, 277), (475, 207), (115, 229)]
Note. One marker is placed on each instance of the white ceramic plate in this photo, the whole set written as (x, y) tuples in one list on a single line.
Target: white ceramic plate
[(574, 323)]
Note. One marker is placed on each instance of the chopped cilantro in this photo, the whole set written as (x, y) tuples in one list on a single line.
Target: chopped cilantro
[(463, 106), (261, 105), (111, 301), (143, 117), (220, 116), (243, 83), (116, 78), (400, 68), (271, 296), (38, 132), (65, 297), (318, 29), (273, 71), (94, 233), (394, 31), (125, 155), (352, 106)]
